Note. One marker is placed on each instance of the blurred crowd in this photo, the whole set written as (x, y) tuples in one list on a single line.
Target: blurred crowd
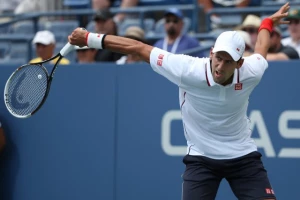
[(172, 29)]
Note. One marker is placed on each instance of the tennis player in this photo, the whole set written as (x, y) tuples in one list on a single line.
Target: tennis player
[(214, 95)]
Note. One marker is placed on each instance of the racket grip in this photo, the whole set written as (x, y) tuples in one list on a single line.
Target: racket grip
[(67, 49)]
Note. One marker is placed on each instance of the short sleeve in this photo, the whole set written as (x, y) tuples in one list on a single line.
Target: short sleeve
[(254, 67), (171, 66)]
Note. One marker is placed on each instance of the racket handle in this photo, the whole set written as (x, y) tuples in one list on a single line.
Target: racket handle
[(67, 49)]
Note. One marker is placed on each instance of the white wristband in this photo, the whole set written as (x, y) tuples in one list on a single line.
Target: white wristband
[(94, 40)]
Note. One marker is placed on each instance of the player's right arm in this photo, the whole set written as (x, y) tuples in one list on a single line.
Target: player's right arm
[(114, 43), (263, 39), (170, 65)]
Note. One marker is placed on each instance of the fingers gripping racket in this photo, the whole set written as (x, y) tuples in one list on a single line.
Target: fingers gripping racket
[(27, 88)]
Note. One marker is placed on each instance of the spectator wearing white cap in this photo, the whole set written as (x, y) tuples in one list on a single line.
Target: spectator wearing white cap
[(44, 42)]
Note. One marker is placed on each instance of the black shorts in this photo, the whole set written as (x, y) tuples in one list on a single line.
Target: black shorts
[(246, 176)]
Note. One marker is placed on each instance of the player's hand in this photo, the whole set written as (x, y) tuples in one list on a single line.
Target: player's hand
[(78, 37), (280, 14)]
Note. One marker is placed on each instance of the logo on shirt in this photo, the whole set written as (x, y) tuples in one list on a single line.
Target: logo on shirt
[(237, 49), (269, 191), (238, 86), (160, 59)]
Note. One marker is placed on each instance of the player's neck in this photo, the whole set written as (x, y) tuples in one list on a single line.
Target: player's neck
[(229, 81)]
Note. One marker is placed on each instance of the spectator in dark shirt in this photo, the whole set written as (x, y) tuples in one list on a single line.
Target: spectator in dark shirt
[(279, 52), (104, 24)]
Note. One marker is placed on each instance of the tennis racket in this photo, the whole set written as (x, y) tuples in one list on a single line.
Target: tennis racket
[(27, 88)]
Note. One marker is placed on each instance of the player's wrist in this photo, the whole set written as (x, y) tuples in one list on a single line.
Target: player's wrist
[(267, 23), (95, 40)]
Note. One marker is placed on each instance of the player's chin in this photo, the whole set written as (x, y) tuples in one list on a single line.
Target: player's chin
[(218, 80)]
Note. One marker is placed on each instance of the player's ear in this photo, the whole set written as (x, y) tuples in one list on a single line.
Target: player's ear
[(211, 53), (240, 63)]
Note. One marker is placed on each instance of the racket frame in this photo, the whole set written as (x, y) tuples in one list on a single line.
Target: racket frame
[(49, 81)]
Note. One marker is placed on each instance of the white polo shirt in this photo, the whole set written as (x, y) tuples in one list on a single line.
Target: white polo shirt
[(214, 116)]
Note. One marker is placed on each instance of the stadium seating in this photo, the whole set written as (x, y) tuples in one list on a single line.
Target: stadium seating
[(77, 3), (18, 50), (4, 49), (25, 27), (61, 26)]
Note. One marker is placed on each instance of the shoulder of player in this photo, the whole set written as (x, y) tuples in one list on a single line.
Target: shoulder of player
[(253, 66), (196, 70)]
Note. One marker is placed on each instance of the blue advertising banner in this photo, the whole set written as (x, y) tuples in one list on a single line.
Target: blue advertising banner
[(115, 133)]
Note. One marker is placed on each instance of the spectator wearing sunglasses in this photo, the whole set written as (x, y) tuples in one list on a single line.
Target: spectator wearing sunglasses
[(277, 50), (250, 25), (294, 30), (175, 40)]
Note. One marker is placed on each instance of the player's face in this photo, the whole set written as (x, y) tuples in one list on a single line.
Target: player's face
[(223, 66)]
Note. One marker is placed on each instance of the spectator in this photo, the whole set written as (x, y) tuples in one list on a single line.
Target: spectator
[(249, 49), (125, 4), (279, 52), (208, 5), (44, 42), (8, 6), (136, 33), (176, 41), (102, 4), (2, 138), (85, 54), (294, 30), (104, 24), (27, 6), (251, 24), (106, 4)]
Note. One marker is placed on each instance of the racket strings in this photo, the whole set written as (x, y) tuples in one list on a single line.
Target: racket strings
[(27, 89)]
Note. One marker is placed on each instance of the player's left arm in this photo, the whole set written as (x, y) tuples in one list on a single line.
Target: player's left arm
[(263, 39)]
